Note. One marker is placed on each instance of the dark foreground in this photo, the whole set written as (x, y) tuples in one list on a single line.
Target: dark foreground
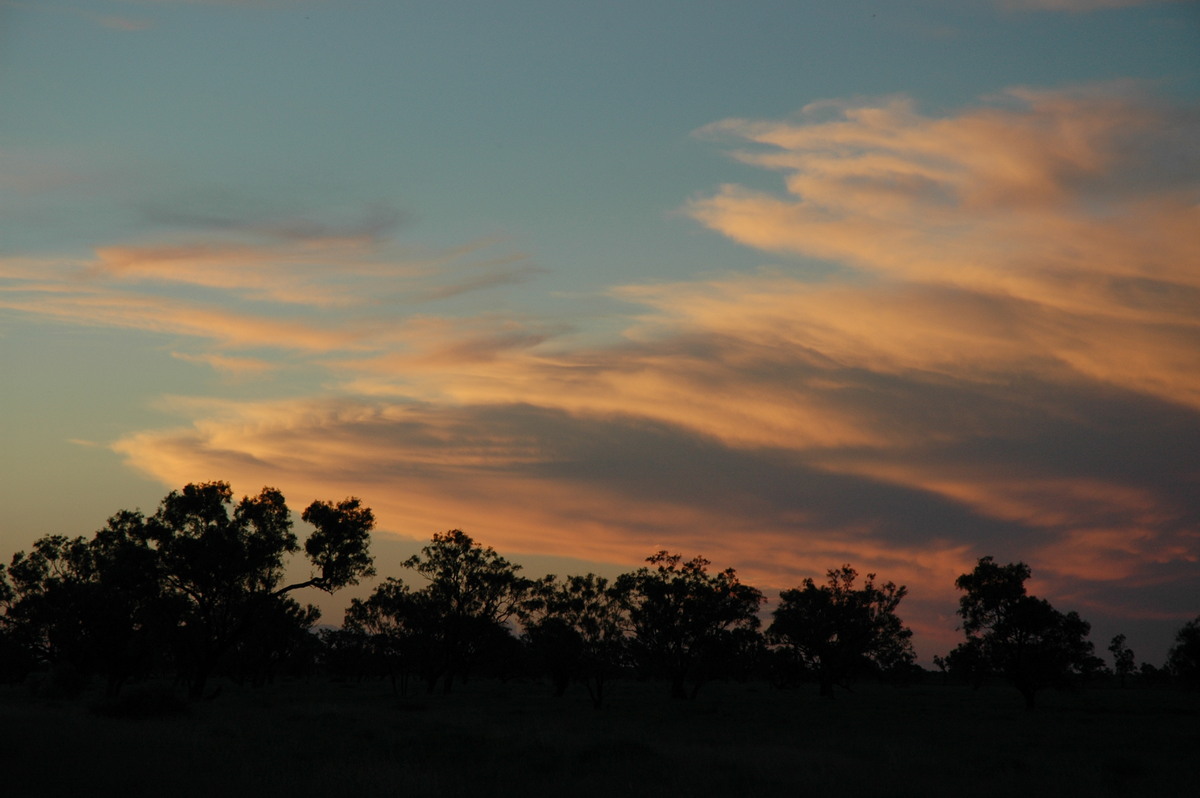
[(322, 739)]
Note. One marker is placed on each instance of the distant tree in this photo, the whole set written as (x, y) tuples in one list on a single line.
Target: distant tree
[(1183, 661), (401, 633), (838, 631), (471, 594), (1152, 675), (577, 629), (686, 621), (1019, 636), (1123, 659)]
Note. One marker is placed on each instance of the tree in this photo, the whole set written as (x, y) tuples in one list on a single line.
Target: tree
[(1123, 660), (837, 630), (1183, 661), (577, 629), (225, 568), (471, 594), (400, 631), (87, 607), (687, 623), (1019, 636)]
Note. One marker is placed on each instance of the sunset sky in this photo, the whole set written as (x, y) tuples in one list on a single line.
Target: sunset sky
[(787, 284)]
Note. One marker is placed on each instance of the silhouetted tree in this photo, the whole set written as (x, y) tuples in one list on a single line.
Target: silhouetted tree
[(226, 568), (401, 633), (1123, 659), (282, 642), (1152, 675), (966, 663), (1183, 661), (88, 606), (687, 621), (1019, 636), (472, 592), (837, 630), (47, 596), (577, 629)]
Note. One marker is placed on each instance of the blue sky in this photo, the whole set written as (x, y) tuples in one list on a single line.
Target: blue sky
[(787, 284)]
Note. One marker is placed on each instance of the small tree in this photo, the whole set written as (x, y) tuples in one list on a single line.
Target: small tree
[(837, 630), (686, 621), (1123, 660), (1019, 636)]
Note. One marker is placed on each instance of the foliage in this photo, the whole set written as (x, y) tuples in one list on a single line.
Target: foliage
[(189, 584), (339, 546), (838, 631), (687, 622), (1183, 661), (1019, 636), (397, 633), (86, 606), (577, 629), (449, 624)]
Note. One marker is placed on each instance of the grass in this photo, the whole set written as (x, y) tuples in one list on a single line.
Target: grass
[(318, 738)]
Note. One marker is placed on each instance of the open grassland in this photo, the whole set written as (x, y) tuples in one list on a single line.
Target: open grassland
[(488, 739)]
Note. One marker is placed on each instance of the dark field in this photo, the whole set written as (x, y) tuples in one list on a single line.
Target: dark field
[(322, 739)]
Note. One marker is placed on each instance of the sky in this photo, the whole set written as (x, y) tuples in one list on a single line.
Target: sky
[(784, 284)]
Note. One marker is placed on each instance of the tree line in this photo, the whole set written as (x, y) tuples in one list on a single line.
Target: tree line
[(197, 591)]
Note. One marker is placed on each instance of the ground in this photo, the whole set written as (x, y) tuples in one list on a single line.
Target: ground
[(324, 739)]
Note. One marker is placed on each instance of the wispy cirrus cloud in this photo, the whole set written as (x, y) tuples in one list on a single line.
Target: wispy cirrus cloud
[(289, 284), (1063, 216)]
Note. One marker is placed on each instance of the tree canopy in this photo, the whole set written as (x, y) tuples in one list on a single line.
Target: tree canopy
[(1019, 636), (686, 622), (188, 583), (837, 630)]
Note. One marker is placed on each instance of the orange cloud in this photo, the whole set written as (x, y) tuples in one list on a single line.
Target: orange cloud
[(234, 366), (1053, 212)]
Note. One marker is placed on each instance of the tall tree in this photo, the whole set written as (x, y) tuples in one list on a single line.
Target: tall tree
[(687, 622), (1020, 636), (837, 630)]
